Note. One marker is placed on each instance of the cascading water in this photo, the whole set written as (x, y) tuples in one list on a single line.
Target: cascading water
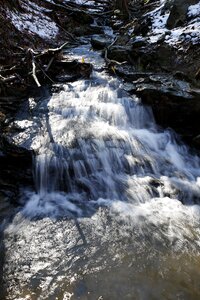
[(96, 142), (93, 149), (124, 192)]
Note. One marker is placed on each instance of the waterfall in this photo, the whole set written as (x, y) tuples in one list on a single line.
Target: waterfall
[(114, 194), (96, 142)]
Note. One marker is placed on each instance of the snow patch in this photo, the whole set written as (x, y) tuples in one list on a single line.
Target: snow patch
[(30, 6), (34, 21), (45, 28), (194, 10), (188, 33), (158, 24)]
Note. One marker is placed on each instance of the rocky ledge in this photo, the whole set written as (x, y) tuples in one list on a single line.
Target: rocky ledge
[(158, 53)]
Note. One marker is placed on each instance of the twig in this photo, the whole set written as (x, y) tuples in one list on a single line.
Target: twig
[(7, 79), (49, 64), (53, 50), (34, 67), (47, 75), (109, 61)]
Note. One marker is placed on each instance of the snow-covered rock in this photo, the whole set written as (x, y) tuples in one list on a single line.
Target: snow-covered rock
[(189, 32), (34, 21)]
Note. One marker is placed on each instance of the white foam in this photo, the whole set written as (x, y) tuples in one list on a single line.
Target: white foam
[(94, 141), (52, 204)]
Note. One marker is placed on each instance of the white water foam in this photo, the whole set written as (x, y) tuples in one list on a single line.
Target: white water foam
[(95, 142)]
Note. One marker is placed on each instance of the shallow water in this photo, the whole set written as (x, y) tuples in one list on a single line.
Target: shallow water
[(115, 214)]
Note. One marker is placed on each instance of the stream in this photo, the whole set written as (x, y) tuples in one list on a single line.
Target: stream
[(115, 213)]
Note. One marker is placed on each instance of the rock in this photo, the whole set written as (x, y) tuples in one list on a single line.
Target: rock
[(65, 71), (16, 169), (100, 42), (181, 76), (12, 151), (164, 57), (178, 13), (119, 53), (9, 105), (123, 39), (142, 26), (2, 117), (82, 17), (66, 78), (161, 68), (87, 30), (138, 42), (173, 102), (117, 24), (129, 73), (197, 75), (95, 29), (161, 39), (154, 57), (5, 206)]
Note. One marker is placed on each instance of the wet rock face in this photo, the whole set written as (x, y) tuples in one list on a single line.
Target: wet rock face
[(178, 12), (16, 169), (162, 52), (172, 110), (174, 101), (175, 104)]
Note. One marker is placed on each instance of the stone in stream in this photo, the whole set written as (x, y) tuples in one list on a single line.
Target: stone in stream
[(139, 42), (87, 29), (65, 71), (100, 42), (130, 73), (119, 53)]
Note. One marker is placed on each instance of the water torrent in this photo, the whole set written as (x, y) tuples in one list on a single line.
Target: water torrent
[(115, 194)]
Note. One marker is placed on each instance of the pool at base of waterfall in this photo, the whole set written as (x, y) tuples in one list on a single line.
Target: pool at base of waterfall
[(120, 252)]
